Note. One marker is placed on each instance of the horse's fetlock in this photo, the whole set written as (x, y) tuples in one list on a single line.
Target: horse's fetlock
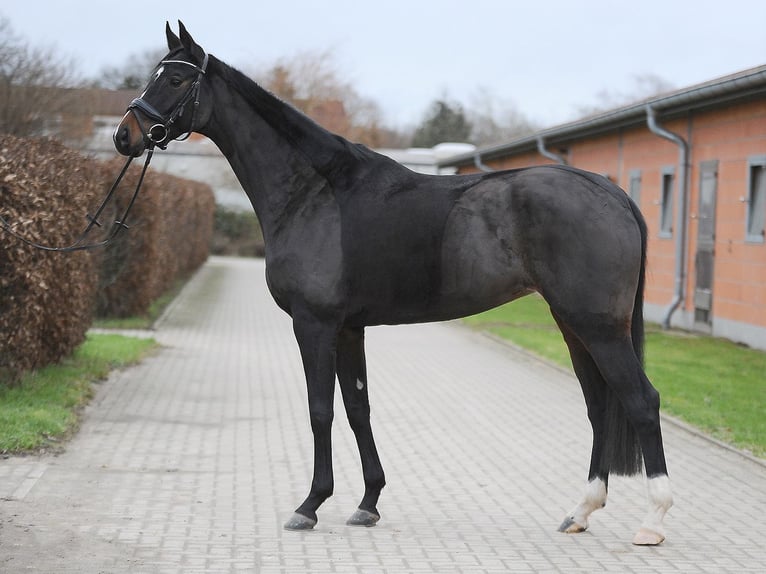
[(319, 493), (375, 483)]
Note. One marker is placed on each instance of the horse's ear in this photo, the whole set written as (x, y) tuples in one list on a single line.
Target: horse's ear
[(189, 44), (173, 41)]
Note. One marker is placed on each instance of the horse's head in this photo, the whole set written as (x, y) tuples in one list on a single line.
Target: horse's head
[(169, 107)]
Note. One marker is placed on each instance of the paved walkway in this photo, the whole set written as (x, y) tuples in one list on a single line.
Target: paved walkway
[(191, 462)]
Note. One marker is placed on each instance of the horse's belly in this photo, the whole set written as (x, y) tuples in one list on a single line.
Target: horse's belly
[(481, 264)]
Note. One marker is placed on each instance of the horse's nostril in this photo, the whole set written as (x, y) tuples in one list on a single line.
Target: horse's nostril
[(122, 140), (120, 136)]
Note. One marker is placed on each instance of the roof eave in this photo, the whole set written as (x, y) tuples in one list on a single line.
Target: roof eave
[(736, 87)]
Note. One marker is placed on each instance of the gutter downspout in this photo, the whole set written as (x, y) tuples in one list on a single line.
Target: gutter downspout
[(549, 154), (480, 165), (683, 193)]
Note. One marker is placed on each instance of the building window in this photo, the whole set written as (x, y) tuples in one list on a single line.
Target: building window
[(756, 199), (666, 202), (634, 186)]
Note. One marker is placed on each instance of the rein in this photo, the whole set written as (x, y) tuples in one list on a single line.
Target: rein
[(118, 225)]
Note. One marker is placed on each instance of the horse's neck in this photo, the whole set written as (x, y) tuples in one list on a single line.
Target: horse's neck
[(280, 156)]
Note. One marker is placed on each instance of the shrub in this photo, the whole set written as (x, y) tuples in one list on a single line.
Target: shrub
[(170, 230), (237, 233), (47, 299)]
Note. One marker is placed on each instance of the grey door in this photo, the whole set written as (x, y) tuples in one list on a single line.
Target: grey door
[(703, 291)]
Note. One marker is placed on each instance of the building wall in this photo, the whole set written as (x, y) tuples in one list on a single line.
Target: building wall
[(729, 136), (648, 155)]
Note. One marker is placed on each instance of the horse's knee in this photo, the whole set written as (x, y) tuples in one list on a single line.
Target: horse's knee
[(321, 420), (358, 418)]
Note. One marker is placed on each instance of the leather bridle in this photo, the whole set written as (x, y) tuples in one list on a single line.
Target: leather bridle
[(158, 133)]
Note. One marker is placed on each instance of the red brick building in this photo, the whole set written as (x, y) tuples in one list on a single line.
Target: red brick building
[(695, 162)]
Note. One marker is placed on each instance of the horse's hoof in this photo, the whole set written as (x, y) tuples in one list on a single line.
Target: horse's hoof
[(363, 518), (569, 526), (300, 522), (646, 537)]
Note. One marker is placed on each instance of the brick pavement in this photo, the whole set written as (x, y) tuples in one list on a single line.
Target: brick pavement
[(191, 462)]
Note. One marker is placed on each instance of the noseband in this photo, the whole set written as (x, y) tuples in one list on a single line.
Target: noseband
[(157, 134)]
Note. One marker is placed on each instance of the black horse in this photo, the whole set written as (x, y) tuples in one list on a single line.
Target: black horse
[(355, 239)]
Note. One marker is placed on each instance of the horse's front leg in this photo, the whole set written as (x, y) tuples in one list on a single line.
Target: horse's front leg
[(317, 341), (352, 375)]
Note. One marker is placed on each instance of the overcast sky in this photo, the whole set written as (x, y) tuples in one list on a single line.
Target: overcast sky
[(549, 58)]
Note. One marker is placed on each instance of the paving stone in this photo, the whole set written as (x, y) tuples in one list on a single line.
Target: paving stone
[(191, 462)]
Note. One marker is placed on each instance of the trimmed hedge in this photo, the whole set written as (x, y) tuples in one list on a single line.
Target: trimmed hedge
[(171, 226), (47, 299), (237, 233)]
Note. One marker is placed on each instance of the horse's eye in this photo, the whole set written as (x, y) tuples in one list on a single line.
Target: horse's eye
[(175, 81)]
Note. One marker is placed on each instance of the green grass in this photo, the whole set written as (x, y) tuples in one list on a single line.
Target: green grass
[(527, 323), (43, 408), (712, 384)]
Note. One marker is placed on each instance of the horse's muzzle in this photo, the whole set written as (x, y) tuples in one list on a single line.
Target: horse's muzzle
[(128, 136)]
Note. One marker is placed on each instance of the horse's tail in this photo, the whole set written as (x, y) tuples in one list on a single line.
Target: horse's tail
[(621, 452), (637, 323)]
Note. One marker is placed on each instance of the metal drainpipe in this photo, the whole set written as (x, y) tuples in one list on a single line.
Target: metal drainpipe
[(683, 193), (480, 165), (549, 154)]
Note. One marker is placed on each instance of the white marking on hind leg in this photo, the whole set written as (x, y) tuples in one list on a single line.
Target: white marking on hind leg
[(359, 384), (652, 532), (595, 498)]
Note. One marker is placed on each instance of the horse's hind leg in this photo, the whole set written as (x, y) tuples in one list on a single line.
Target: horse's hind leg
[(352, 375), (618, 363), (593, 387)]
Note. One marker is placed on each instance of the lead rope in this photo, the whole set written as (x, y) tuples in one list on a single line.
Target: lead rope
[(117, 226)]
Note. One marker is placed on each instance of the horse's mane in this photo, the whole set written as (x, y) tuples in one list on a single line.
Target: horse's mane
[(292, 123)]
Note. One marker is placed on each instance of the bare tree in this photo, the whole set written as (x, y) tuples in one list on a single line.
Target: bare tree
[(644, 86), (494, 120), (131, 75), (31, 82), (311, 82)]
